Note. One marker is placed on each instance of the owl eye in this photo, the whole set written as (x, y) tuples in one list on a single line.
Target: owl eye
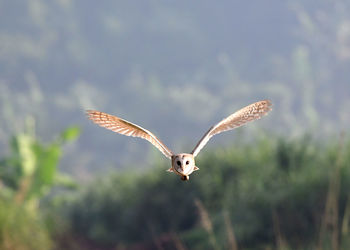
[(187, 162), (178, 163)]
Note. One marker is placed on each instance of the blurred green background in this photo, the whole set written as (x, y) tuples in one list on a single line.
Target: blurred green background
[(175, 68)]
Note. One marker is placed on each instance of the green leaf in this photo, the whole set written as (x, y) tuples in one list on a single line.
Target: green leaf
[(43, 178), (70, 134), (26, 153)]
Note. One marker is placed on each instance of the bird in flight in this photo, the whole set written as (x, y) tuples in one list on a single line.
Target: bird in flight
[(181, 164)]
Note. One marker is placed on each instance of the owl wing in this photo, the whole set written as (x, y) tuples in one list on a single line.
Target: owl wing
[(124, 127), (247, 114)]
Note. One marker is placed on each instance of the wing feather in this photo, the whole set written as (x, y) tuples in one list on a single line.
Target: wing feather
[(247, 114), (124, 127)]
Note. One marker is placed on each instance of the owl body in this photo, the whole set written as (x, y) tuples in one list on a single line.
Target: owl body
[(181, 164)]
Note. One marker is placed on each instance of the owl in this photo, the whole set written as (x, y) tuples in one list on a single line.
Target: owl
[(181, 164)]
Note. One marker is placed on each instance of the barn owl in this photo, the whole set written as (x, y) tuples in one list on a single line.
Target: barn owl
[(181, 164)]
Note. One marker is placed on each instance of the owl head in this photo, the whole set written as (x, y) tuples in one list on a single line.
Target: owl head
[(183, 165)]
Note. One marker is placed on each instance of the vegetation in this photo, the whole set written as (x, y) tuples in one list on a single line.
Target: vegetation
[(274, 194), (278, 194), (26, 176)]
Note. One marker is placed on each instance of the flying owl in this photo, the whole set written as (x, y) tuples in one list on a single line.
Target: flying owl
[(181, 164)]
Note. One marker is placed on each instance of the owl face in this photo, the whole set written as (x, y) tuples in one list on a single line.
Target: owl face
[(183, 165)]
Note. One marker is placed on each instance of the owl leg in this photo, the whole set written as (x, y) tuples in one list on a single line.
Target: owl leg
[(185, 177)]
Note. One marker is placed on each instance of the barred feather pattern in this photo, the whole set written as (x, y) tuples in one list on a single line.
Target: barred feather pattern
[(124, 127), (247, 114)]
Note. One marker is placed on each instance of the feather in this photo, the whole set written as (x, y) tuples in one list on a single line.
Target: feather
[(247, 114), (124, 127)]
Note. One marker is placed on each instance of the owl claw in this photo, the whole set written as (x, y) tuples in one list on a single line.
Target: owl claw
[(185, 177)]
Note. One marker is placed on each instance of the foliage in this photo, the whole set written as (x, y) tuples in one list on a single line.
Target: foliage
[(22, 228), (26, 176), (273, 193), (30, 171)]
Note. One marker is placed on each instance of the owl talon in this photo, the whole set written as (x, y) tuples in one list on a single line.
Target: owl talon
[(185, 177)]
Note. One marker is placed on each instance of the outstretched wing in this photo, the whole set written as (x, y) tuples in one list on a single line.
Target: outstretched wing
[(124, 127), (247, 114)]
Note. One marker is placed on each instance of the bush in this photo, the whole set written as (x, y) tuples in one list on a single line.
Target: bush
[(27, 175), (274, 192), (21, 228)]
